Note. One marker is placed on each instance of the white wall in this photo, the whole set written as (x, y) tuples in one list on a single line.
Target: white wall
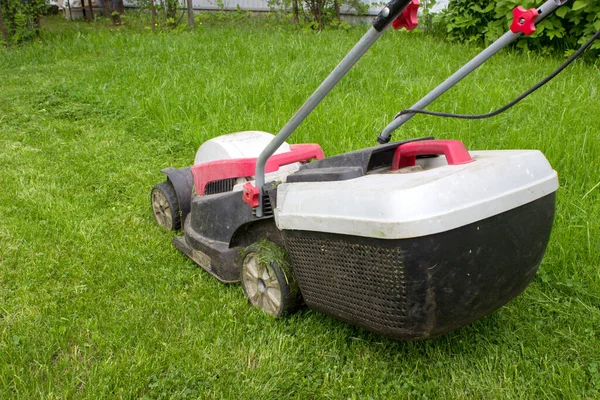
[(255, 5), (262, 5)]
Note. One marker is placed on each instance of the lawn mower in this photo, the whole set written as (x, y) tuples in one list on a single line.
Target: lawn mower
[(394, 238)]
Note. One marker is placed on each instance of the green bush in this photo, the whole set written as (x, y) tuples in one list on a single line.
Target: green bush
[(483, 21), (19, 20)]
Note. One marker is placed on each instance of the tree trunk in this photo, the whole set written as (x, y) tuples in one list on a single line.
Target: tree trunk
[(336, 7), (190, 8), (83, 9), (107, 8), (153, 11), (2, 28), (320, 12), (120, 6), (70, 10), (38, 23), (91, 16), (296, 12)]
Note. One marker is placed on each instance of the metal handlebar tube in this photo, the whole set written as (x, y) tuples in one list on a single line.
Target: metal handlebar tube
[(385, 17), (545, 10)]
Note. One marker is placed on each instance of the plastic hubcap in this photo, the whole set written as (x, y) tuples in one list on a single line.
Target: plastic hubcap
[(162, 211), (261, 285)]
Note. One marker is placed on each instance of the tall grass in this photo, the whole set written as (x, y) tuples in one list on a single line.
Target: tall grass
[(95, 302)]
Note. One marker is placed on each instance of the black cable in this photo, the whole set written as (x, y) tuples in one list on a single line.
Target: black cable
[(515, 101)]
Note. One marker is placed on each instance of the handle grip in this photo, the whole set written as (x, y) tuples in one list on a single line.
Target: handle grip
[(455, 151), (389, 13)]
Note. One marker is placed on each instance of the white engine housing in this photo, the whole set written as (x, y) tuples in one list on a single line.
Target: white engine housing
[(247, 144)]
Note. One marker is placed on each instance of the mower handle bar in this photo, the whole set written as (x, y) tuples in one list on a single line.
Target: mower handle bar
[(544, 10), (385, 17)]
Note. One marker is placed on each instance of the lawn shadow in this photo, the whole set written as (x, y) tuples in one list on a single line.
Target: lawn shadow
[(478, 338)]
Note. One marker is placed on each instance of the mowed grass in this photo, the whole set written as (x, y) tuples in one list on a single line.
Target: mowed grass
[(96, 303)]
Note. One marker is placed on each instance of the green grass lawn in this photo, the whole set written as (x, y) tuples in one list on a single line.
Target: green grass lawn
[(94, 300)]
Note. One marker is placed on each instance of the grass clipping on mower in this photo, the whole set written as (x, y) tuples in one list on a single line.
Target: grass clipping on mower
[(270, 253)]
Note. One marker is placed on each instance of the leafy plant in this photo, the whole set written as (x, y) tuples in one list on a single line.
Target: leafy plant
[(427, 15), (483, 21), (317, 14), (164, 13), (20, 20)]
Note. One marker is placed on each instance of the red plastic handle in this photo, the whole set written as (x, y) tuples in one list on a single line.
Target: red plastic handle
[(455, 151), (409, 19), (241, 167), (297, 153)]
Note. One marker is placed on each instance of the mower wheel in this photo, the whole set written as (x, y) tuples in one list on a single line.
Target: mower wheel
[(165, 206), (267, 279)]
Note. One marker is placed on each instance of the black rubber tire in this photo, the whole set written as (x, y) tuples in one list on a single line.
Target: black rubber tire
[(165, 206), (273, 270)]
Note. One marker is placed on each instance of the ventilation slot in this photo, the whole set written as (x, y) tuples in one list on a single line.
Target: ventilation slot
[(220, 186), (267, 208)]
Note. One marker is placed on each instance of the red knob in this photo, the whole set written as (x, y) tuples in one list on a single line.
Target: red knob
[(409, 18), (524, 20)]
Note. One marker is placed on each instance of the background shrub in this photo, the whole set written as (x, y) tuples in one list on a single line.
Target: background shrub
[(20, 20), (483, 21)]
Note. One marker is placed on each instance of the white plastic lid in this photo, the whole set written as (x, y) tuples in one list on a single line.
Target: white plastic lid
[(435, 199)]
